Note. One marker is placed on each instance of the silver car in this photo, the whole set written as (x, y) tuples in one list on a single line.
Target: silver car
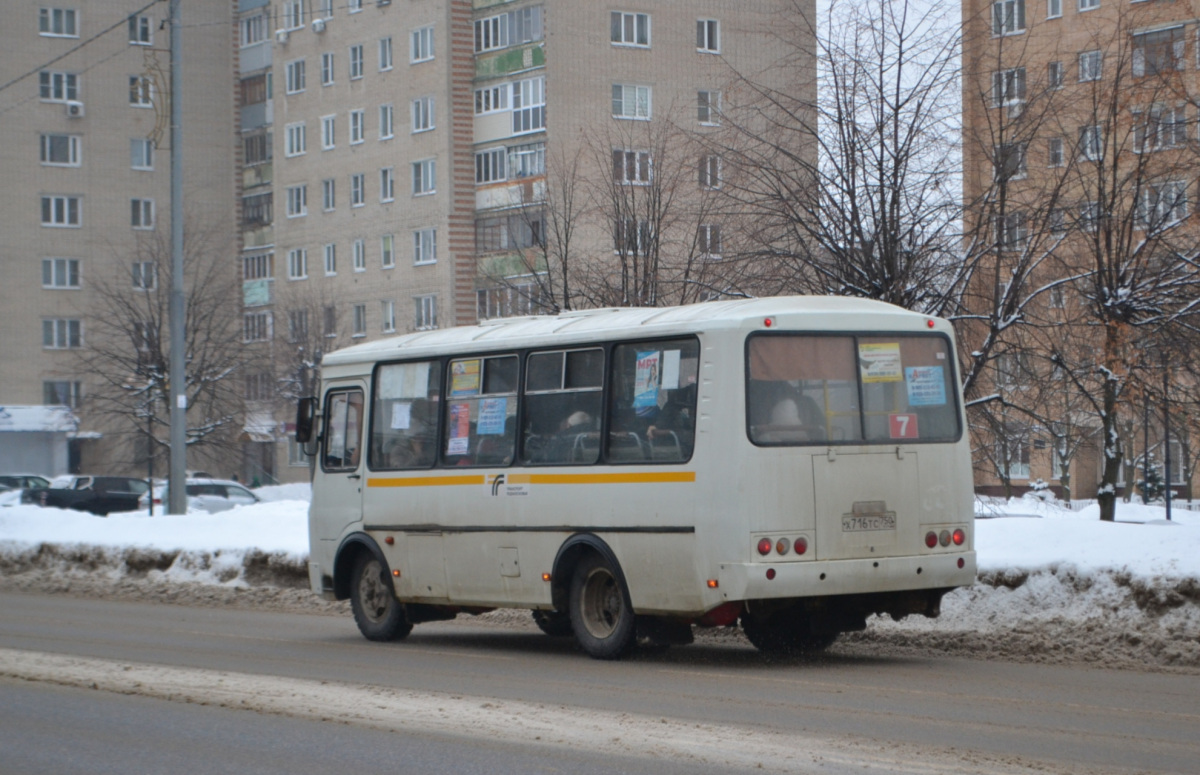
[(210, 495)]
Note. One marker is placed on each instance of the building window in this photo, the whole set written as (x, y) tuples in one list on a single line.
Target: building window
[(295, 76), (359, 251), (1008, 87), (297, 201), (58, 87), (298, 264), (328, 195), (491, 165), (708, 240), (426, 308), (513, 232), (1055, 152), (61, 210), (259, 147), (385, 53), (1089, 216), (297, 140), (60, 273), (425, 246), (1012, 452), (1088, 5), (141, 153), (708, 36), (144, 275), (629, 29), (422, 45), (256, 327), (360, 320), (1008, 161), (423, 177), (387, 251), (631, 167), (422, 114), (358, 190), (708, 107), (1162, 205), (1054, 75), (1158, 52), (62, 393), (293, 14), (1058, 225), (258, 209), (387, 311), (385, 122), (141, 30), (330, 321), (60, 150), (1011, 231), (356, 62), (355, 6), (710, 171), (328, 125), (62, 334), (528, 105), (387, 184), (327, 68), (1053, 9), (58, 22), (1091, 143), (630, 101), (330, 259), (253, 29), (142, 214), (631, 236), (508, 29), (491, 33), (258, 267), (297, 325), (1008, 16), (512, 298), (1090, 63), (1161, 126), (358, 121), (260, 386), (491, 99), (526, 160)]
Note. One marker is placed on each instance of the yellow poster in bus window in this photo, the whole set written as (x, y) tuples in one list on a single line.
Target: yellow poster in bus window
[(880, 362), (464, 378)]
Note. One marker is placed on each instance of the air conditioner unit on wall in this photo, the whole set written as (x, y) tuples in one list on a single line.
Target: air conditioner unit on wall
[(281, 36), (318, 25), (74, 109)]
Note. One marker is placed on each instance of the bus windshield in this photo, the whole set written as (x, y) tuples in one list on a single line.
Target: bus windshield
[(829, 389)]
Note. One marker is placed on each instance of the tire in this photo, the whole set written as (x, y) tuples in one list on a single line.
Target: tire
[(601, 613), (788, 633), (377, 612), (556, 624)]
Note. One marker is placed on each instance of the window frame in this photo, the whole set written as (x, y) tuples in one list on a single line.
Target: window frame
[(624, 29)]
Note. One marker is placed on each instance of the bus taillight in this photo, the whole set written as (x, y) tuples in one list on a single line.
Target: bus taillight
[(931, 539), (764, 546), (959, 537), (801, 545), (782, 546)]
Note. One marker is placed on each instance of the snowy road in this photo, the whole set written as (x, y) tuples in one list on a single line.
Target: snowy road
[(718, 707)]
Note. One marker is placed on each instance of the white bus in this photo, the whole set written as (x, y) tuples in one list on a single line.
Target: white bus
[(790, 464)]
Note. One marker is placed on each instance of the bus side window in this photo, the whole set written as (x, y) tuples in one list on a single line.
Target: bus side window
[(652, 411), (481, 412), (343, 431), (562, 407), (404, 416)]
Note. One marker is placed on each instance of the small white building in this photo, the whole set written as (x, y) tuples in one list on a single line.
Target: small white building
[(36, 439)]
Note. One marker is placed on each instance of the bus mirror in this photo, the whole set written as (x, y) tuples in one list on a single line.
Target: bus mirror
[(306, 414)]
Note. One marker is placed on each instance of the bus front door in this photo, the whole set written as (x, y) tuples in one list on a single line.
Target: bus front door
[(338, 501)]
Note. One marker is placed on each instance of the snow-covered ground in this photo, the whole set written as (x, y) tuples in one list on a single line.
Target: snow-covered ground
[(1050, 580)]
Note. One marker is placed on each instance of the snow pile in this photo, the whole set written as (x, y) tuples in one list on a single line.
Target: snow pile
[(1053, 584)]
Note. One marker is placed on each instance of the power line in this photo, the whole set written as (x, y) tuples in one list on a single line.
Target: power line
[(77, 47)]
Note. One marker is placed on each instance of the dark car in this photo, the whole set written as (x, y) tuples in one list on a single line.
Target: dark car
[(95, 494)]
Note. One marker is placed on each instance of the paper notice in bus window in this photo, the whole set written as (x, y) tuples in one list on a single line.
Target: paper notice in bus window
[(880, 362), (460, 429), (670, 370), (401, 416), (645, 380), (926, 385), (404, 380), (464, 378), (492, 413)]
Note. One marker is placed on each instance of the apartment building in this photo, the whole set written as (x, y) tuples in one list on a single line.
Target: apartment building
[(409, 159), (1080, 138), (84, 154)]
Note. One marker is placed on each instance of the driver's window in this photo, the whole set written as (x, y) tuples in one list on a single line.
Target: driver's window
[(343, 430)]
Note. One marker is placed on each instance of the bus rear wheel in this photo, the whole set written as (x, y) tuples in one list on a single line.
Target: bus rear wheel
[(377, 612), (601, 613), (791, 632)]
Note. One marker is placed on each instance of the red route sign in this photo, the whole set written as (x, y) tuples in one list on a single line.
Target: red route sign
[(903, 426)]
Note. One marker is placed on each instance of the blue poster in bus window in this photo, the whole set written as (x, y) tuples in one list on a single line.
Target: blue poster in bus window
[(926, 385), (492, 413), (645, 380)]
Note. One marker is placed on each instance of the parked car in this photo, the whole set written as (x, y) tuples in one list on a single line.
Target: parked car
[(211, 495), (99, 495), (24, 481)]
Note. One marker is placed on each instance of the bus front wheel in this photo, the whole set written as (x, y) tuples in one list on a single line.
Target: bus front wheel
[(601, 613), (787, 633), (377, 612)]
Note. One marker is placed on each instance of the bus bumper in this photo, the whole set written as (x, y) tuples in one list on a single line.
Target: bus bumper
[(764, 580)]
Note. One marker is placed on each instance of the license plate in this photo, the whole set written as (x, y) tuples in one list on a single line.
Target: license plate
[(863, 522)]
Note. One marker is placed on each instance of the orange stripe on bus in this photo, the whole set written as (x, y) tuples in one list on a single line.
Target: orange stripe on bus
[(647, 477), (424, 481)]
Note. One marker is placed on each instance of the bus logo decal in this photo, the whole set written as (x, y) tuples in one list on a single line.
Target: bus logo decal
[(497, 481)]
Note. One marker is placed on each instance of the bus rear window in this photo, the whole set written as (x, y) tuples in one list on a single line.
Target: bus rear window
[(814, 389)]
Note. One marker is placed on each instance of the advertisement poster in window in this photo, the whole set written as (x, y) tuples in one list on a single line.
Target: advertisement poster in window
[(460, 429), (926, 386), (464, 378), (645, 380), (492, 413), (880, 362)]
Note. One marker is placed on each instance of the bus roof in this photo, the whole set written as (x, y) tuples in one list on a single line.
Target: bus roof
[(807, 312)]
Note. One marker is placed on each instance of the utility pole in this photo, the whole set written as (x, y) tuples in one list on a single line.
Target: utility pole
[(177, 502)]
